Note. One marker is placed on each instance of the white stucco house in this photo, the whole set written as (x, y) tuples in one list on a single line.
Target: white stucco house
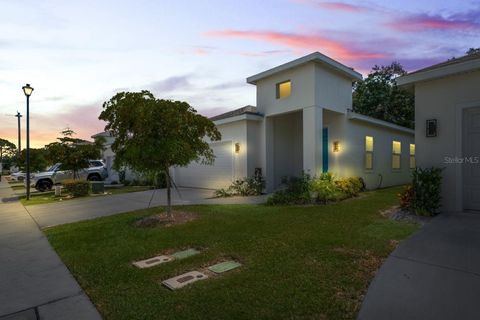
[(303, 123), (447, 130)]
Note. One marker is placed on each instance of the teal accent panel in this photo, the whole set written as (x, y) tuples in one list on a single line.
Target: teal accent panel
[(325, 150)]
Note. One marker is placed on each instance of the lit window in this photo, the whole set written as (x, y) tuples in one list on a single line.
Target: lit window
[(368, 152), (412, 156), (284, 89), (396, 154)]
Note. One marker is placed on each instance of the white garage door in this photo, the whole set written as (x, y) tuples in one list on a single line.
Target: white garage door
[(215, 176)]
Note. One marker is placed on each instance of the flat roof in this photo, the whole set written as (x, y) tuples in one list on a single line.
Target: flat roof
[(451, 67), (313, 57), (244, 110)]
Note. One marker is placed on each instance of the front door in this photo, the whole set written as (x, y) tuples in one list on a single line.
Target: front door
[(325, 150), (471, 155)]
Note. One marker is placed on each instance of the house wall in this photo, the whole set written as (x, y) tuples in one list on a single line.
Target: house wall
[(237, 133), (352, 154), (443, 99), (303, 91), (333, 90)]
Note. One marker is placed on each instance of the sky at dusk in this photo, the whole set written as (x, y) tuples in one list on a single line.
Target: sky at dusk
[(77, 54)]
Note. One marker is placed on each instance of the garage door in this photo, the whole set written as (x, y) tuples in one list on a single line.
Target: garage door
[(471, 152), (217, 175)]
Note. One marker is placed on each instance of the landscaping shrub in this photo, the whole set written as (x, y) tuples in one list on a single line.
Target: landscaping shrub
[(322, 189), (423, 196), (77, 188), (297, 191), (351, 186), (250, 186)]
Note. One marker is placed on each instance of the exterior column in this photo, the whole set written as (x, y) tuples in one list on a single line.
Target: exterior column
[(312, 140), (268, 154)]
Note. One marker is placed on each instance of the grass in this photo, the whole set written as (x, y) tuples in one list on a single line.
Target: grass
[(49, 196), (310, 262)]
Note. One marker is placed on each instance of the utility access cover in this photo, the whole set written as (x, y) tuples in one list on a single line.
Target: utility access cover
[(151, 262), (185, 254), (224, 266), (184, 279)]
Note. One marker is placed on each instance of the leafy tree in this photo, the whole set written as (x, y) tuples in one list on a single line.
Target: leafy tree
[(378, 96), (38, 159), (7, 151), (152, 135), (73, 153), (473, 51)]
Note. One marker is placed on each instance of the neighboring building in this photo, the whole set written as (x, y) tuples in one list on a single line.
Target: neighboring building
[(108, 157), (303, 123), (447, 133)]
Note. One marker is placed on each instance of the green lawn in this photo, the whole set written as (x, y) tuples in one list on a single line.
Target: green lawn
[(310, 262), (49, 196)]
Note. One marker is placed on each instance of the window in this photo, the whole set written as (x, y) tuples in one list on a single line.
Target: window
[(284, 89), (396, 153), (412, 156), (368, 153)]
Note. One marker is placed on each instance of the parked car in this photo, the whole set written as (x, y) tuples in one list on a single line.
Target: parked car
[(18, 176), (54, 175)]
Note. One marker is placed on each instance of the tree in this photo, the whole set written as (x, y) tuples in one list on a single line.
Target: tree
[(38, 159), (73, 153), (152, 135), (473, 51), (378, 96), (7, 150)]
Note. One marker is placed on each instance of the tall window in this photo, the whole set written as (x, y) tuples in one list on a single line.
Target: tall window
[(368, 153), (412, 156), (396, 154), (284, 89)]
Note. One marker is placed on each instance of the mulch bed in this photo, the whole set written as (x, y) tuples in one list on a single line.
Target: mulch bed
[(398, 214), (162, 219)]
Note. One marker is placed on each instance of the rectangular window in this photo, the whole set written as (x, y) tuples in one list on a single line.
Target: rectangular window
[(368, 153), (396, 154), (412, 156), (284, 89)]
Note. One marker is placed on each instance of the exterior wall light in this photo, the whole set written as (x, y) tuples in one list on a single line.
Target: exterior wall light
[(237, 147), (336, 146)]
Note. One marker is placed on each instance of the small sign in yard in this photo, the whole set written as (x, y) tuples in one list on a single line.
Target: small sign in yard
[(184, 279), (224, 266), (152, 262)]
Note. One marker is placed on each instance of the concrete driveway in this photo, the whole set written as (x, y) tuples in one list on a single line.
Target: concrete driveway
[(434, 274), (89, 208)]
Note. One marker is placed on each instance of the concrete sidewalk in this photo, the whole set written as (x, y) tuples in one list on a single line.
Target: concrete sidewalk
[(434, 274), (52, 214), (34, 282)]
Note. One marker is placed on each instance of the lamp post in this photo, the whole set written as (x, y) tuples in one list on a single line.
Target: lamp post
[(28, 92)]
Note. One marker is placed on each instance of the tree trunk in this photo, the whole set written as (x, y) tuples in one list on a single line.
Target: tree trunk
[(169, 195)]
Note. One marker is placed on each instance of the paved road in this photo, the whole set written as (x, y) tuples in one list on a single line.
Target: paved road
[(435, 274), (83, 209), (34, 283)]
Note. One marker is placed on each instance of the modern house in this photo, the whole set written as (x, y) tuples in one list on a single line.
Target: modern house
[(447, 133), (303, 123)]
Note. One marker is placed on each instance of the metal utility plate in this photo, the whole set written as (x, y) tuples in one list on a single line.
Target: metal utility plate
[(151, 262), (184, 279), (185, 253), (224, 266)]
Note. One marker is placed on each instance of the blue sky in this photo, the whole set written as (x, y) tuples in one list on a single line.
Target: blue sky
[(78, 54)]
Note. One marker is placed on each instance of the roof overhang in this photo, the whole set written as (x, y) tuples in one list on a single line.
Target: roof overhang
[(245, 116), (440, 72), (360, 117), (313, 57)]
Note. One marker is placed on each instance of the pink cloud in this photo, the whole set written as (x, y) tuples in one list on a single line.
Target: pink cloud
[(432, 22), (340, 6), (300, 42)]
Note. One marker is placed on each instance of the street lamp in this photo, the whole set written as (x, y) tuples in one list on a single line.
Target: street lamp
[(28, 92)]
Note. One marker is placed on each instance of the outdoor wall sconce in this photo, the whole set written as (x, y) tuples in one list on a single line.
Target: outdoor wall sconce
[(336, 146), (431, 128), (237, 147)]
